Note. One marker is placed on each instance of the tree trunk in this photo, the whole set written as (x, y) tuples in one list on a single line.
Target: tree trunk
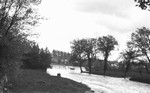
[(80, 64), (105, 64), (89, 64), (148, 61), (147, 57), (146, 69), (127, 68)]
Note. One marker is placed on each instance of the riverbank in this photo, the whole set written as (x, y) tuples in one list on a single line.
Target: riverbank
[(100, 83), (132, 75), (34, 81), (143, 77)]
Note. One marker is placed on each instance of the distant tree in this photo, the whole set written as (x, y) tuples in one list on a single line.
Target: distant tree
[(143, 4), (37, 58), (77, 52), (85, 48), (105, 45), (45, 58), (54, 55), (60, 56), (89, 51), (129, 56), (74, 60), (32, 59)]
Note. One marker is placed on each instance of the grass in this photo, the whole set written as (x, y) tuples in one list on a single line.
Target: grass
[(144, 78), (34, 81), (134, 76)]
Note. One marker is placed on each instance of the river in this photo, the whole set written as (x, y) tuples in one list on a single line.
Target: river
[(100, 84)]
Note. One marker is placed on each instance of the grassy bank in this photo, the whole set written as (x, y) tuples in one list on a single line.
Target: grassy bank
[(34, 81), (142, 78), (134, 76)]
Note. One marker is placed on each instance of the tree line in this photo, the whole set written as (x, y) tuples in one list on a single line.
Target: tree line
[(60, 57), (137, 51), (90, 47), (37, 58)]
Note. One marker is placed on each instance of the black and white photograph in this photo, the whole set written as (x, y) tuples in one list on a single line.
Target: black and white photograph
[(74, 46)]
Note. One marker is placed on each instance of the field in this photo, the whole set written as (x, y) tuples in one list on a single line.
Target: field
[(34, 81), (132, 75)]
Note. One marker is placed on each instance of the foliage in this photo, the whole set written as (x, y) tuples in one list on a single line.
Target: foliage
[(60, 57), (33, 81), (45, 57), (85, 48), (74, 60), (105, 45), (140, 40), (143, 4), (128, 57), (88, 48), (37, 58), (89, 51), (137, 48), (77, 52), (16, 18), (77, 47)]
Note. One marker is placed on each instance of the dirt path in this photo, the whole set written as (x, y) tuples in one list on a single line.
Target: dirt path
[(101, 84)]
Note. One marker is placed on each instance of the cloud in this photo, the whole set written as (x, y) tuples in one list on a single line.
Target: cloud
[(110, 7), (72, 19), (117, 15)]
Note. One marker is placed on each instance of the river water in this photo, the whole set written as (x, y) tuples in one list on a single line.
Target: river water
[(100, 84)]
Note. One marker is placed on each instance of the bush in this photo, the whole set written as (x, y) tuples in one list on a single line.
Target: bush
[(37, 58)]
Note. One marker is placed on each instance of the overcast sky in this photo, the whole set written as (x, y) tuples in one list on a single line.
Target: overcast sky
[(72, 19)]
